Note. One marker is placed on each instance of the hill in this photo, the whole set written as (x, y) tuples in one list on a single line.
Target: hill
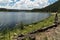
[(51, 8)]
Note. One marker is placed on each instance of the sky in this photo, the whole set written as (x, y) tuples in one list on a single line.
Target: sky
[(25, 4)]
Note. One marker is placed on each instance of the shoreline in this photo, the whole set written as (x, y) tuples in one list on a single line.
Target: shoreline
[(32, 28)]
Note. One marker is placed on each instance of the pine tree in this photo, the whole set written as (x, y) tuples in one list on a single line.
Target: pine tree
[(21, 26)]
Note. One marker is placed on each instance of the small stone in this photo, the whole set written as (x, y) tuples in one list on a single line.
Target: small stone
[(30, 25)]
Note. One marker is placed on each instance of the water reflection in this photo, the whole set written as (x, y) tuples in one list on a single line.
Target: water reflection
[(10, 19)]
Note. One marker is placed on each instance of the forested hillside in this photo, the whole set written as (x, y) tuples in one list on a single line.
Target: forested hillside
[(51, 8)]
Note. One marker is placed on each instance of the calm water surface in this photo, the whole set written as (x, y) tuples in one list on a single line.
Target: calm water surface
[(10, 19)]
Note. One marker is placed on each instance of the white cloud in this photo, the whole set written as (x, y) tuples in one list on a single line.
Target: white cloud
[(27, 4), (24, 4)]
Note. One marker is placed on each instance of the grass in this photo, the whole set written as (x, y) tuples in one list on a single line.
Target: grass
[(58, 14), (46, 38), (27, 29)]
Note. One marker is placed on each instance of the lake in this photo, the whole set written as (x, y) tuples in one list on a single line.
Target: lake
[(10, 19)]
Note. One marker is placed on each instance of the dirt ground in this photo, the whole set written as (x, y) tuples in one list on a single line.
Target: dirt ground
[(50, 34)]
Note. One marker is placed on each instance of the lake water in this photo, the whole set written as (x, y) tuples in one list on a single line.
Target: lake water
[(10, 19)]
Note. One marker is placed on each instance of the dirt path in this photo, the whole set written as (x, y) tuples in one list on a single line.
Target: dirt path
[(50, 34)]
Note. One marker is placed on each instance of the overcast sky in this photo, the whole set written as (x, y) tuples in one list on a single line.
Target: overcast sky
[(25, 4)]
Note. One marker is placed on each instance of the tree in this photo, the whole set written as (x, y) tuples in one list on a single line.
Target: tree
[(21, 25)]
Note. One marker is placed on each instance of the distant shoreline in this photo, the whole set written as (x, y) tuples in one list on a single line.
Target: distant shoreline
[(16, 10)]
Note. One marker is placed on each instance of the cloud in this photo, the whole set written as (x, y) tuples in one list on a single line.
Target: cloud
[(23, 4), (27, 4)]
